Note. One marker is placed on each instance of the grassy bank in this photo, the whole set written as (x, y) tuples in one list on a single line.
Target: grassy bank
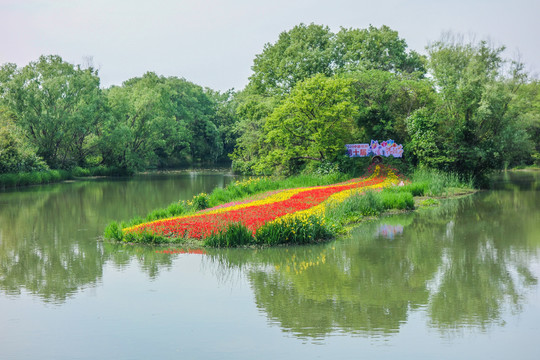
[(294, 229), (33, 178), (21, 179), (234, 192)]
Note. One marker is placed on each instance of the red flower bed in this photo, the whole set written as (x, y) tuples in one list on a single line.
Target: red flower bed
[(252, 217)]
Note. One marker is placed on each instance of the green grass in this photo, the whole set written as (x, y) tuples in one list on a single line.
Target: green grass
[(293, 231), (50, 176), (235, 234), (370, 203), (252, 186), (32, 178), (438, 183)]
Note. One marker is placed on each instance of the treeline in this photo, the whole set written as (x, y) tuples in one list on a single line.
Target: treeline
[(463, 108), (55, 115)]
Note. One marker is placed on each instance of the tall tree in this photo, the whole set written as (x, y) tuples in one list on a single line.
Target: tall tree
[(252, 111), (16, 153), (57, 104), (193, 106), (385, 100), (475, 91), (298, 54), (306, 50), (525, 107), (312, 124), (375, 48), (142, 127)]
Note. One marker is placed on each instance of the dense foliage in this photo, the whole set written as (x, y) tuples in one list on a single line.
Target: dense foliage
[(60, 111), (464, 108)]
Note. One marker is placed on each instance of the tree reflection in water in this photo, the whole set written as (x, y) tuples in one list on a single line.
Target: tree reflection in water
[(463, 263), (49, 235)]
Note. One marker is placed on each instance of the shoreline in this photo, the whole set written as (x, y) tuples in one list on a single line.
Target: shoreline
[(420, 203)]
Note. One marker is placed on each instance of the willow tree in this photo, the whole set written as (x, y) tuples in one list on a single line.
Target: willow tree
[(58, 105), (475, 131)]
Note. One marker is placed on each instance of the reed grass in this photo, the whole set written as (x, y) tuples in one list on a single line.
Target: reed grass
[(33, 178)]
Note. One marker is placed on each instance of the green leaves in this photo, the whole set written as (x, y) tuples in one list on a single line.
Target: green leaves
[(313, 123), (307, 50), (57, 104)]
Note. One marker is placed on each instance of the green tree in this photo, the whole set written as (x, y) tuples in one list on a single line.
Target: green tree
[(252, 111), (163, 122), (525, 107), (225, 118), (142, 128), (386, 99), (306, 50), (312, 124), (298, 54), (196, 108), (388, 86), (58, 105), (375, 48), (479, 134), (16, 153)]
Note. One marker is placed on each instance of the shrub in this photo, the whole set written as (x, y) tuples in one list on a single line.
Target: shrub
[(80, 172), (438, 182), (199, 202), (113, 231), (8, 180), (361, 204), (157, 214), (294, 230), (176, 209), (397, 200), (235, 234)]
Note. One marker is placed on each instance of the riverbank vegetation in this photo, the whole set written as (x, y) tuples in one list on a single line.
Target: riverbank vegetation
[(463, 108), (264, 212)]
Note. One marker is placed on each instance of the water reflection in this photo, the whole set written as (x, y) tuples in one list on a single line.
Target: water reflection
[(389, 231), (462, 264), (466, 263), (49, 235)]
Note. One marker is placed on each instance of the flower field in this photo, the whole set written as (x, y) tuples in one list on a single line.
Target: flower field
[(274, 208)]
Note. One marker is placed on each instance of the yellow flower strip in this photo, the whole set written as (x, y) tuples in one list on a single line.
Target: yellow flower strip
[(319, 210), (281, 196)]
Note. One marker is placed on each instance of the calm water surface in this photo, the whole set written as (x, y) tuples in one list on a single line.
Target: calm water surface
[(459, 281)]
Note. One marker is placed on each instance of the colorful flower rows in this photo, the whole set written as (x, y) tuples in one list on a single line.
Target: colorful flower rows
[(254, 214)]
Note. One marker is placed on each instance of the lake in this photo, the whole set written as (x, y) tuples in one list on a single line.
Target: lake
[(457, 281)]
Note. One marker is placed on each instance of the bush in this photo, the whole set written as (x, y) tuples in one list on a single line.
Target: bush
[(294, 230), (438, 182), (157, 214), (176, 209), (362, 204), (113, 231), (8, 180), (369, 203), (80, 172), (235, 234), (199, 202), (397, 200)]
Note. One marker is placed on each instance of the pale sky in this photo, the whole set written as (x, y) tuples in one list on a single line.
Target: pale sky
[(213, 42)]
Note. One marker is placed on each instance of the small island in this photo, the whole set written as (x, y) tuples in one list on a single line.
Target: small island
[(299, 215)]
